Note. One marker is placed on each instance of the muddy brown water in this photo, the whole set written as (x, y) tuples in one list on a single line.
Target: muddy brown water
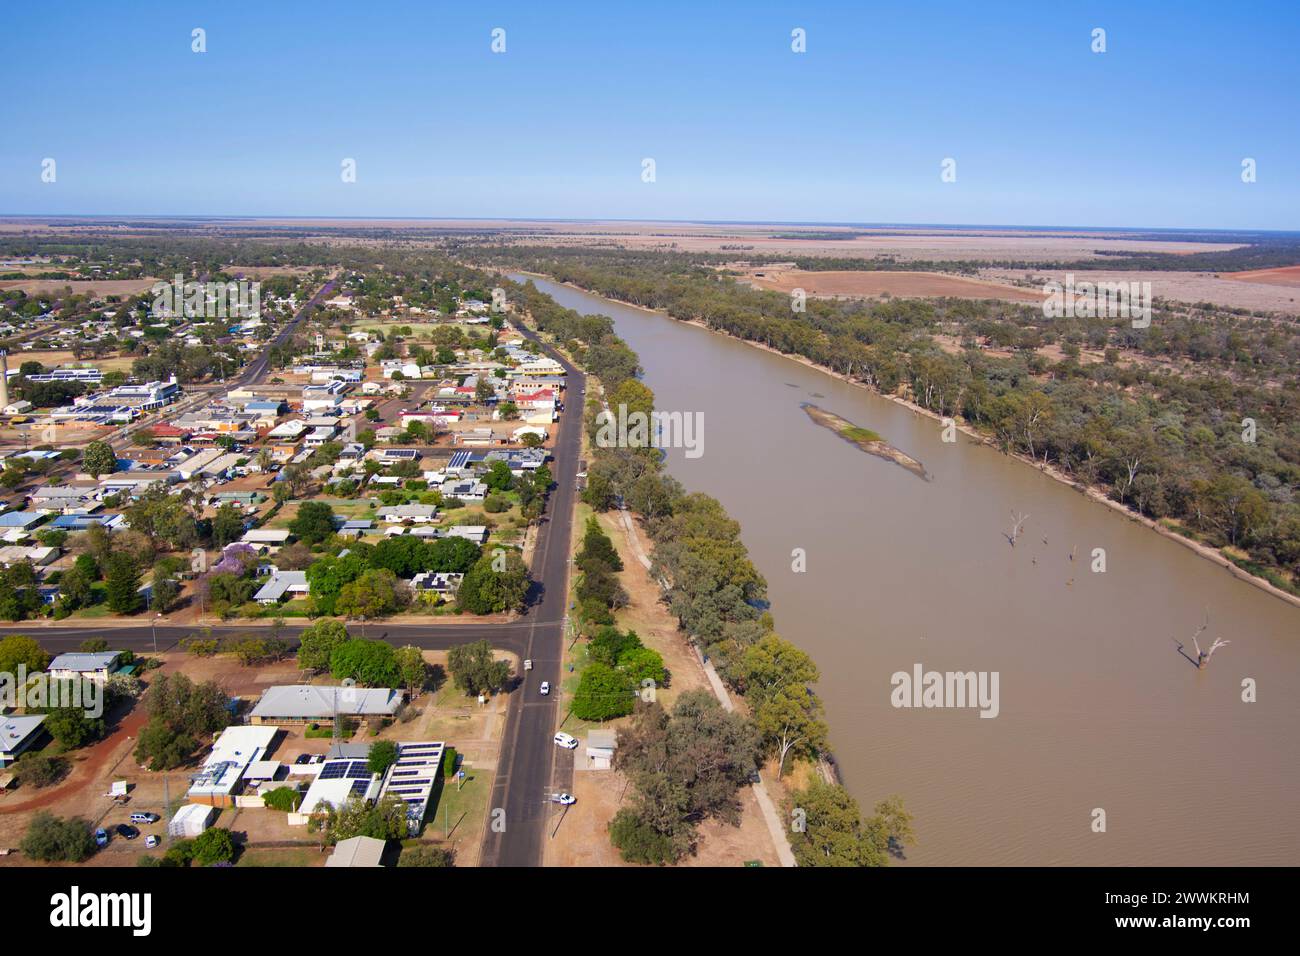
[(1097, 708)]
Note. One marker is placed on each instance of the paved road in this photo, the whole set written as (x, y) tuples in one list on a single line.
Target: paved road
[(256, 369), (530, 766)]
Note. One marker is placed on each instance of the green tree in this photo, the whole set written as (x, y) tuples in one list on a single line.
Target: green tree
[(487, 590), (313, 523), (383, 754), (833, 832), (213, 845), (372, 663), (18, 650), (317, 643), (51, 839), (99, 459), (122, 585), (412, 667), (603, 694), (474, 670)]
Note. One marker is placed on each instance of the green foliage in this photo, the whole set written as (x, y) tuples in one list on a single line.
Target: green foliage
[(313, 523), (40, 770), (834, 833), (213, 845), (317, 643), (383, 754), (485, 590), (426, 856), (99, 459), (603, 693), (474, 670), (16, 650), (371, 663), (122, 585), (284, 799), (52, 839)]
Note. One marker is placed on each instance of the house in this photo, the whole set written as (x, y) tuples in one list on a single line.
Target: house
[(600, 749), (22, 520), (357, 852), (400, 513), (266, 537), (36, 557), (233, 752), (470, 532), (436, 586), (82, 665), (17, 734), (282, 583), (80, 522), (305, 704), (338, 780), (464, 489)]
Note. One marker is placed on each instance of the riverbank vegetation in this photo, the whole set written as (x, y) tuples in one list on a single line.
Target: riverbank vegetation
[(688, 764), (1190, 422)]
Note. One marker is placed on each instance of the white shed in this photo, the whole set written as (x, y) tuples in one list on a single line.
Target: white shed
[(191, 820)]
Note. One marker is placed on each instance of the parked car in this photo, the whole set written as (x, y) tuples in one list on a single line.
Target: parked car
[(545, 688), (101, 837), (151, 841), (144, 817), (563, 798), (566, 741), (127, 832)]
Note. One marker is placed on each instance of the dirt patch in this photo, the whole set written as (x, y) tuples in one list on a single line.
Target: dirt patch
[(96, 288), (1288, 276)]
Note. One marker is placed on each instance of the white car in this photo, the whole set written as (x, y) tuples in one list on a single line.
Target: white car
[(151, 841), (567, 742), (566, 799), (545, 688)]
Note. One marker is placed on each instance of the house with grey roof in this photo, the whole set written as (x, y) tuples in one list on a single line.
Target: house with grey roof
[(306, 703)]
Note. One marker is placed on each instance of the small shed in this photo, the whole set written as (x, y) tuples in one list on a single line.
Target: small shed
[(600, 749), (191, 820)]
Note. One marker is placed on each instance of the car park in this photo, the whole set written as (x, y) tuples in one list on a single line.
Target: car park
[(566, 741)]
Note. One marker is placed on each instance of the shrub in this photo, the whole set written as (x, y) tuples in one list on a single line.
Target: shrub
[(285, 799), (449, 758), (52, 839)]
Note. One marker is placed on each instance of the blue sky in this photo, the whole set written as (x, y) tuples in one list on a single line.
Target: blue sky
[(1044, 131)]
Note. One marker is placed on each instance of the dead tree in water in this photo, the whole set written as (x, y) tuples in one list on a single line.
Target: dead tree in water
[(1202, 659), (1017, 527)]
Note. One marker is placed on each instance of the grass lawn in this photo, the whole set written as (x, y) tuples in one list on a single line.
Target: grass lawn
[(283, 856), (464, 810)]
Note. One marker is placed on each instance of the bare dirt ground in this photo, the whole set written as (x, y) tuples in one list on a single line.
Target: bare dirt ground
[(93, 287), (873, 284), (1288, 276), (1233, 290)]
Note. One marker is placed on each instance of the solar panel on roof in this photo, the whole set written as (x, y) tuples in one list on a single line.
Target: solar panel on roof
[(358, 770), (359, 787), (334, 771)]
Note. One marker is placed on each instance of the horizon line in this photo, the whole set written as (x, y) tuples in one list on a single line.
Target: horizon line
[(806, 223)]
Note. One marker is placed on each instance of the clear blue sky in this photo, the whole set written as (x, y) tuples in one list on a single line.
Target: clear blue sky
[(1045, 132)]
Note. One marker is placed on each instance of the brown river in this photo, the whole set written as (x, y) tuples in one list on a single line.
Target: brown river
[(1100, 720)]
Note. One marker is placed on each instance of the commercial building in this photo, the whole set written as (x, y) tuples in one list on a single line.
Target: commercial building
[(221, 778)]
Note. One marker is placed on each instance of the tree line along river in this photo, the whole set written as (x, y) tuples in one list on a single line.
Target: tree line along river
[(1098, 710)]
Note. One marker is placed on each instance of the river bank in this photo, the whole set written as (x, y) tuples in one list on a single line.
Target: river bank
[(1214, 555)]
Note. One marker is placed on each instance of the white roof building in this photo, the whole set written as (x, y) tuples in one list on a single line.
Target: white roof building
[(233, 752)]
